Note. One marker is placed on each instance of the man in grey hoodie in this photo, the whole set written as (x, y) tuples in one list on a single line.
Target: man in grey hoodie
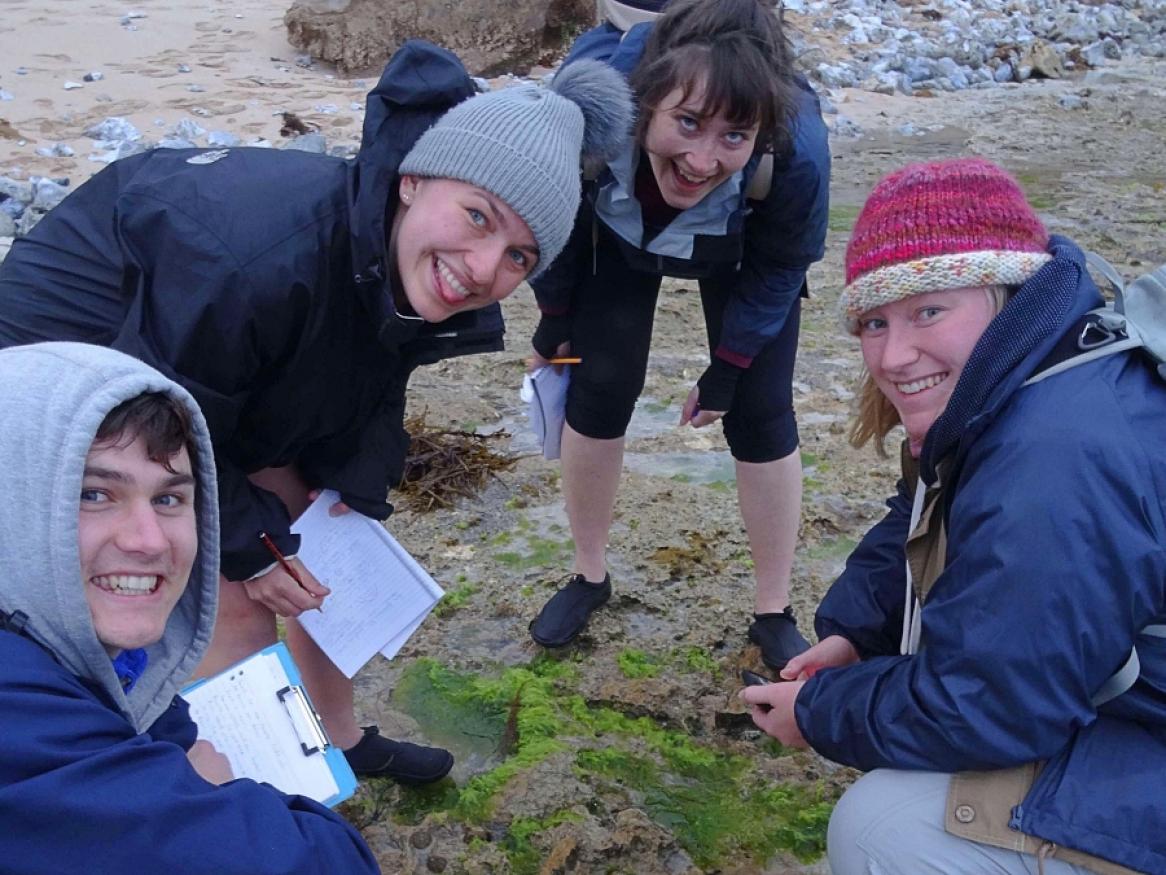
[(109, 558)]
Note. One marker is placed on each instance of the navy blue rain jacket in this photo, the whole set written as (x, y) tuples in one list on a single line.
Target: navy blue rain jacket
[(1056, 559), (258, 279), (75, 776), (771, 242)]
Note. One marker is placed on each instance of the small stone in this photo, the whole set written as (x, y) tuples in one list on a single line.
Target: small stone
[(223, 139), (94, 76), (308, 143), (436, 863), (303, 61), (21, 71), (421, 839), (5, 95), (73, 86), (197, 89), (183, 68)]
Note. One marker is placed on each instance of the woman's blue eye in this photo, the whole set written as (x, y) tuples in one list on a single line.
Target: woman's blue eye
[(92, 495), (688, 123), (735, 138), (476, 216), (871, 324), (518, 257), (170, 500)]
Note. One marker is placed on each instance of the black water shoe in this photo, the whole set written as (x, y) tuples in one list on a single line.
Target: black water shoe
[(375, 756), (565, 615), (778, 637)]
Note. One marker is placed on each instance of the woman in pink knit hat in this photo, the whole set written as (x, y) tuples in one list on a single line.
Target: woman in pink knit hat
[(993, 654)]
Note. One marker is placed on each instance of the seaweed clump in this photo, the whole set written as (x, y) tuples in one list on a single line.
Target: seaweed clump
[(446, 464)]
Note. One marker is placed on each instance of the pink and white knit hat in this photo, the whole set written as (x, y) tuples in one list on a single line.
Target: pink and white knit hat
[(953, 224)]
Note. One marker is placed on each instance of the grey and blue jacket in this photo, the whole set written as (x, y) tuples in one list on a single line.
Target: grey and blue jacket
[(767, 244), (94, 777)]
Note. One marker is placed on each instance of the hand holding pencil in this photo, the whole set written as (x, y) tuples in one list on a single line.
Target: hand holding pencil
[(289, 588)]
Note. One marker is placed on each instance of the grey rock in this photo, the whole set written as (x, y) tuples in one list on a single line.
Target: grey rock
[(1003, 73), (223, 138), (72, 86), (94, 76), (188, 129), (346, 150), (7, 225), (197, 89), (183, 68), (313, 142), (1072, 101), (16, 190), (46, 193), (11, 207), (56, 150), (112, 129), (28, 220)]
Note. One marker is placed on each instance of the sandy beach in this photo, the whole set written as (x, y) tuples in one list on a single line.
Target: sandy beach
[(226, 66)]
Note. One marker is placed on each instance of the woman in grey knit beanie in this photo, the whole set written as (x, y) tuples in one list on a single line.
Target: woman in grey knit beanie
[(510, 160), (294, 294)]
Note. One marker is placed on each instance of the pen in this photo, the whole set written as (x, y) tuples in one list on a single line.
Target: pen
[(560, 360), (285, 565)]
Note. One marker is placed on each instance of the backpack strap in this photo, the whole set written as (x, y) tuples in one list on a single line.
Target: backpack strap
[(1098, 333), (1126, 676), (625, 16)]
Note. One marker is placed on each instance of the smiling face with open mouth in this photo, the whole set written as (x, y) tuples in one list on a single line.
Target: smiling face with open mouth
[(138, 539), (457, 247), (915, 350), (691, 150)]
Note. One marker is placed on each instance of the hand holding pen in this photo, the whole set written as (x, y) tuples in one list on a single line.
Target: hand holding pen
[(289, 588)]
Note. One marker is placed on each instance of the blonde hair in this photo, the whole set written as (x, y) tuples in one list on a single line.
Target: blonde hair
[(874, 415)]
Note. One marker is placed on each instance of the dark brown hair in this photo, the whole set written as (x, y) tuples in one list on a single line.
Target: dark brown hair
[(162, 422), (737, 50)]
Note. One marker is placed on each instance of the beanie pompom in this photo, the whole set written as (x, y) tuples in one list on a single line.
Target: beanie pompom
[(604, 98)]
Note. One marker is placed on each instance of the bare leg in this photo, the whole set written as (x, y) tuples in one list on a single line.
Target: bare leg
[(242, 627), (591, 469), (331, 691), (770, 496)]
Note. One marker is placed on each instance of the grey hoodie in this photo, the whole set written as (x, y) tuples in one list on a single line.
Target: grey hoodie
[(53, 398)]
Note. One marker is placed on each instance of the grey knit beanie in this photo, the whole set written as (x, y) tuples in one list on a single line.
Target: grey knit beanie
[(525, 144)]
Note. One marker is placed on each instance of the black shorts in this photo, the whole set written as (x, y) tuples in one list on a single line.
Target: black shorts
[(611, 330)]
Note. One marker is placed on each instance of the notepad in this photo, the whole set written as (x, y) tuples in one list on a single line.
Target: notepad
[(545, 391), (258, 715), (380, 594)]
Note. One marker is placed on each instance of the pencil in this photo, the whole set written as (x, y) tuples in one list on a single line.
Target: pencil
[(560, 360), (285, 565)]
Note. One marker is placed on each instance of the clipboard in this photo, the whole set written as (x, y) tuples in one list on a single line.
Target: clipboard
[(258, 715), (545, 391)]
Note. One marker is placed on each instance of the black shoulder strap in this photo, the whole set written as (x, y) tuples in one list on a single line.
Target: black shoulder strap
[(1098, 333), (16, 622)]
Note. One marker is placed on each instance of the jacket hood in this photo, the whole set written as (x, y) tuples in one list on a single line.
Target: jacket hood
[(420, 82), (1012, 348), (54, 397)]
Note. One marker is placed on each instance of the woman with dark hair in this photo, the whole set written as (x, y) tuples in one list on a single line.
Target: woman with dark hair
[(725, 180)]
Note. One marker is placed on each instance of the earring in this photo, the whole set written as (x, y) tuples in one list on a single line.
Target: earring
[(405, 199)]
